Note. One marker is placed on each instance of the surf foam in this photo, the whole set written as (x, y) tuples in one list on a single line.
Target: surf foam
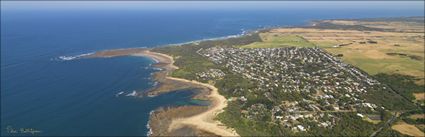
[(67, 58)]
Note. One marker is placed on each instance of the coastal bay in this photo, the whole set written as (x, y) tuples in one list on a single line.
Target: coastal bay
[(203, 120)]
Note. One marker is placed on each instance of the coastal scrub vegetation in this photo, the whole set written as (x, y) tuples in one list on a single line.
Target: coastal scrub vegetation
[(403, 84)]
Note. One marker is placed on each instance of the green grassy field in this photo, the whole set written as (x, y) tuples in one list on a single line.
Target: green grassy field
[(374, 61), (274, 40)]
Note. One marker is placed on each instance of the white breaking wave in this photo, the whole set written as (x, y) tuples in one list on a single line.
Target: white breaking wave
[(118, 94), (66, 58), (158, 69), (155, 60), (155, 84), (134, 93), (147, 125), (243, 32)]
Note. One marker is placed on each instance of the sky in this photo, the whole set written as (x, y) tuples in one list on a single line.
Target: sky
[(204, 5)]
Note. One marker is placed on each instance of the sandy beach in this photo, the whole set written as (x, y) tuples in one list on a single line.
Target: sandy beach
[(205, 121), (202, 121)]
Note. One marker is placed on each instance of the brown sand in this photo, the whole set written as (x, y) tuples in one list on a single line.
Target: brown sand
[(161, 118), (205, 121), (116, 52)]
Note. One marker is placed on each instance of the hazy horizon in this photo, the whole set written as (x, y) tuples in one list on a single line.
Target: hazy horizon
[(208, 5)]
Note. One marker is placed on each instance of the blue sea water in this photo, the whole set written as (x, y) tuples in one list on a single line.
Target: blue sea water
[(78, 97)]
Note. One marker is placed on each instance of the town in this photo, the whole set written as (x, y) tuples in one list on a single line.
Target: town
[(303, 85)]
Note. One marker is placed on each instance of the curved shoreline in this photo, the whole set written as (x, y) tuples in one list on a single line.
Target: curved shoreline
[(203, 121)]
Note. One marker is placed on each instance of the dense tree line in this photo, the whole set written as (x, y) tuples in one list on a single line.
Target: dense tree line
[(403, 84)]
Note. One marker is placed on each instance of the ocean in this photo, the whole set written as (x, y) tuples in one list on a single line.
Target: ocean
[(42, 92)]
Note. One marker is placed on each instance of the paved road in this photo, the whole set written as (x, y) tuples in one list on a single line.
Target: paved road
[(388, 123)]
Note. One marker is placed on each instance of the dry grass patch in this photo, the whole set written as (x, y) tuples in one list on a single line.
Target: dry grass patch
[(407, 129), (419, 96), (370, 57), (395, 25), (371, 121), (417, 116)]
